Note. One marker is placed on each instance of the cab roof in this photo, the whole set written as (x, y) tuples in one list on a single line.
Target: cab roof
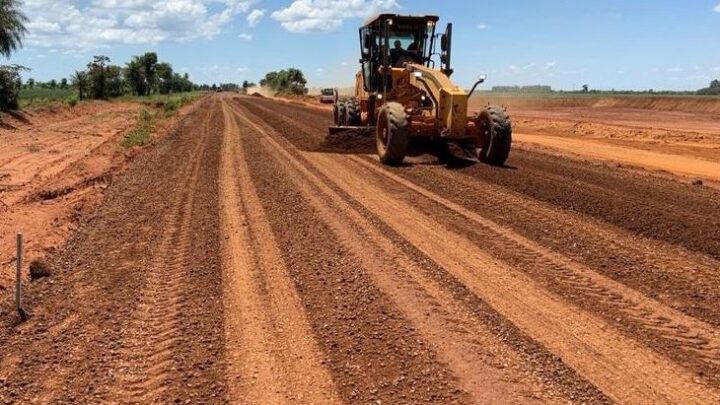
[(378, 17)]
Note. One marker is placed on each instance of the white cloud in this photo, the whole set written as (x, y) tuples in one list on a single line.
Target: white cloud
[(242, 70), (717, 8), (245, 36), (481, 26), (512, 68), (80, 24), (673, 70), (255, 17), (327, 15), (550, 65)]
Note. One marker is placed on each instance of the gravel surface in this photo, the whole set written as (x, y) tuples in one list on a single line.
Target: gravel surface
[(248, 258)]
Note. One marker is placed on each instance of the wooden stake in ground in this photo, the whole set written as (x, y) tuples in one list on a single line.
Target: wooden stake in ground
[(18, 279)]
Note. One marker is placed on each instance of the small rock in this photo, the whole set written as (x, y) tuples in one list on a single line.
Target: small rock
[(39, 269), (697, 182)]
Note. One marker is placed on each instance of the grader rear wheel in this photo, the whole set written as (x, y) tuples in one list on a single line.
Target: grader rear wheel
[(392, 134)]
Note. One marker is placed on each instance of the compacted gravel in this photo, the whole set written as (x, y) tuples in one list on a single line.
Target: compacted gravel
[(248, 258)]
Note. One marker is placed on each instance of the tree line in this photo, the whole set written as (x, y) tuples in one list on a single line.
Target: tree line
[(142, 76), (712, 89), (523, 89)]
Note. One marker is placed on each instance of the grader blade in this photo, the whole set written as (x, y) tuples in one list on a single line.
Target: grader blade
[(338, 129), (463, 152)]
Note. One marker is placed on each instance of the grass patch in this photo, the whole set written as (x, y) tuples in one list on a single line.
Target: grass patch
[(175, 100), (38, 97), (42, 97), (140, 135)]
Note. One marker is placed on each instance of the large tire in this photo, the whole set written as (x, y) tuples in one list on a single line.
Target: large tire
[(352, 114), (339, 114), (336, 114), (498, 136), (392, 135)]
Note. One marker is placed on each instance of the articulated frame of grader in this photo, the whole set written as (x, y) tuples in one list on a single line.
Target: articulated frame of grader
[(401, 94)]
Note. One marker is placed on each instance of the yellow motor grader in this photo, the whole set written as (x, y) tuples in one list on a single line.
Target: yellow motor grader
[(403, 90)]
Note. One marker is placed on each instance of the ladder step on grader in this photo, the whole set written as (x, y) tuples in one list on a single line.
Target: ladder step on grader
[(402, 93)]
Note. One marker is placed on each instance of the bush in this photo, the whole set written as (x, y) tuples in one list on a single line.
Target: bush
[(140, 135), (72, 100), (171, 106)]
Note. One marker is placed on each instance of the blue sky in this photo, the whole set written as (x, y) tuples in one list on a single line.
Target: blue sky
[(641, 44)]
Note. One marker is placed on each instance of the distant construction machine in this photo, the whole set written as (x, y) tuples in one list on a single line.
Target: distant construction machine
[(401, 93)]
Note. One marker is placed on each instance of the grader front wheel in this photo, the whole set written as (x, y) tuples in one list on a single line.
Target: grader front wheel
[(497, 136), (352, 113), (392, 135), (339, 111)]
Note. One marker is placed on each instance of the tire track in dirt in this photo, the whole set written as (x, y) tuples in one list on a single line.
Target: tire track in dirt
[(688, 341), (373, 353), (684, 280), (676, 382), (691, 336), (489, 371), (71, 351), (678, 279), (153, 331), (642, 204), (618, 366), (272, 355)]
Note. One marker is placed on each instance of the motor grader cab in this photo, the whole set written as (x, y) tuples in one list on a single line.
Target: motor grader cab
[(403, 90)]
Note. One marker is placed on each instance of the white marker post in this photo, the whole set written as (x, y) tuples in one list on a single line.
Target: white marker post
[(18, 279)]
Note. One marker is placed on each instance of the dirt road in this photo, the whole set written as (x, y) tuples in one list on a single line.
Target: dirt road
[(248, 259)]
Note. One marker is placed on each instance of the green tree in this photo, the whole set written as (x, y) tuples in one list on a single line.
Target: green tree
[(53, 84), (30, 83), (135, 76), (12, 31), (141, 74), (98, 75), (290, 80), (713, 90), (149, 62), (114, 81), (12, 26), (164, 74), (63, 83), (296, 81), (10, 85), (81, 82)]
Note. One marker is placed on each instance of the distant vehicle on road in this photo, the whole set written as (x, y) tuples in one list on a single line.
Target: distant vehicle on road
[(328, 95)]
